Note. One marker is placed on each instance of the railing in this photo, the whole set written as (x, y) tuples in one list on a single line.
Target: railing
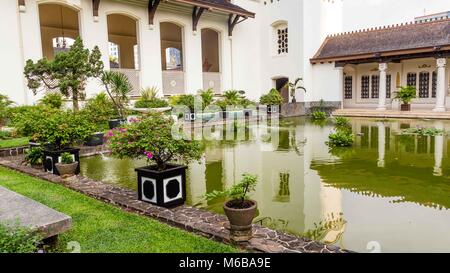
[(134, 78), (212, 80), (173, 82)]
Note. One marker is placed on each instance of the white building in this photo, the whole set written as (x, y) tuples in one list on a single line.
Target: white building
[(182, 46)]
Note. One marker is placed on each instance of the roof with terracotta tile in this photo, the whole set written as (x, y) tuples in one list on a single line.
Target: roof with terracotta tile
[(398, 39)]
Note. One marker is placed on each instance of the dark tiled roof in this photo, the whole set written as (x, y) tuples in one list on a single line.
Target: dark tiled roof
[(407, 37), (221, 4)]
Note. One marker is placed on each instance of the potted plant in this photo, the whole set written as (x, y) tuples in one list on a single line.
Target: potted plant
[(62, 130), (273, 100), (406, 94), (162, 182), (67, 166), (35, 157), (189, 101), (118, 87), (239, 209), (293, 87)]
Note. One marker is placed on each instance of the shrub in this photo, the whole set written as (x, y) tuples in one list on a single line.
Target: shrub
[(99, 110), (341, 138), (237, 193), (16, 239), (423, 131), (342, 122), (5, 134), (152, 138), (66, 158), (35, 156), (188, 101), (52, 100), (318, 115), (5, 104), (149, 93), (406, 94), (63, 128), (28, 120), (153, 103), (272, 98), (207, 97)]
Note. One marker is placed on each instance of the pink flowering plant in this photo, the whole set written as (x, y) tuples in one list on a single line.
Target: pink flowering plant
[(151, 138)]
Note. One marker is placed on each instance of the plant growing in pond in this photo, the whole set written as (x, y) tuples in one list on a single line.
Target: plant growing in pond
[(17, 239), (423, 131), (153, 134), (341, 138), (342, 122), (293, 87), (35, 156), (52, 100), (66, 158), (238, 193), (272, 98), (68, 72), (406, 94), (118, 87), (318, 115)]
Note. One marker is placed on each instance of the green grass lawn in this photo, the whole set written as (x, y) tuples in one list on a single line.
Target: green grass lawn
[(14, 142), (100, 227)]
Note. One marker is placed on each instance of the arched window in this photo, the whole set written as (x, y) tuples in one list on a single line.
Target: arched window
[(210, 50), (59, 27), (171, 46), (123, 42), (280, 38)]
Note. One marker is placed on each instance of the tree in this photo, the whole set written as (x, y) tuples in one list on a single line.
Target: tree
[(118, 87), (68, 72), (293, 86)]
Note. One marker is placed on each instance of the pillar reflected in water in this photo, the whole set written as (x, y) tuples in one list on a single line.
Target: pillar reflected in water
[(438, 149), (381, 144)]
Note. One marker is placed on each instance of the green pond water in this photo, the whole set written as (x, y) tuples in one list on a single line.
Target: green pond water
[(388, 193)]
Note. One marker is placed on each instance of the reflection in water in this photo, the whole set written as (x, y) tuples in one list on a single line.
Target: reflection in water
[(390, 188)]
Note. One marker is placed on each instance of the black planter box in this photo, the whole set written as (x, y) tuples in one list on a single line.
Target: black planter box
[(117, 122), (273, 109), (51, 157), (190, 116), (162, 188), (95, 139)]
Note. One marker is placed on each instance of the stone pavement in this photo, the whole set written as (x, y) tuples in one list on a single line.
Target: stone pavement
[(202, 222)]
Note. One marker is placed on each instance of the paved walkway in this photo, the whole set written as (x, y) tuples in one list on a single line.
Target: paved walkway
[(414, 114), (202, 222)]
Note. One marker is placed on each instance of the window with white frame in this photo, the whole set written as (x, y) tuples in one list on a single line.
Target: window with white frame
[(280, 38)]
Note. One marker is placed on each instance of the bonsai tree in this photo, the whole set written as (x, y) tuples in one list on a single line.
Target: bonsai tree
[(68, 72), (293, 87), (272, 98), (118, 88), (406, 94), (237, 194), (152, 138)]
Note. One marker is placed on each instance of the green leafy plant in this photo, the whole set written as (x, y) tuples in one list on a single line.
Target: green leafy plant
[(5, 104), (272, 98), (62, 129), (406, 94), (207, 97), (152, 138), (118, 87), (16, 239), (149, 93), (341, 138), (342, 122), (318, 115), (188, 101), (294, 86), (68, 72), (233, 97), (66, 158), (5, 135), (99, 110), (52, 100), (238, 193), (29, 120), (35, 156), (153, 103), (423, 131)]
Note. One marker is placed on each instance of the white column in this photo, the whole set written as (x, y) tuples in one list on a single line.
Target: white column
[(382, 67), (440, 88), (381, 144), (438, 150), (341, 85)]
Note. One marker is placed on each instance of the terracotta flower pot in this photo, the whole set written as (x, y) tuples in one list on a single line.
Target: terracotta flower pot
[(240, 220), (67, 169), (405, 107)]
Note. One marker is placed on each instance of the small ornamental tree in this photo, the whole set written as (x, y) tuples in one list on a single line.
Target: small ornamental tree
[(68, 72), (272, 98), (293, 87), (152, 138)]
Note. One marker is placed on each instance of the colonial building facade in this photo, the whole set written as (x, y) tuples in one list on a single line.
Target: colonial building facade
[(182, 46)]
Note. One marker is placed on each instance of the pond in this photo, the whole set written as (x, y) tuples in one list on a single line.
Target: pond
[(389, 192)]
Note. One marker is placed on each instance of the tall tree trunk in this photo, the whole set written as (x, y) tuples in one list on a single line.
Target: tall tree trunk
[(75, 105)]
